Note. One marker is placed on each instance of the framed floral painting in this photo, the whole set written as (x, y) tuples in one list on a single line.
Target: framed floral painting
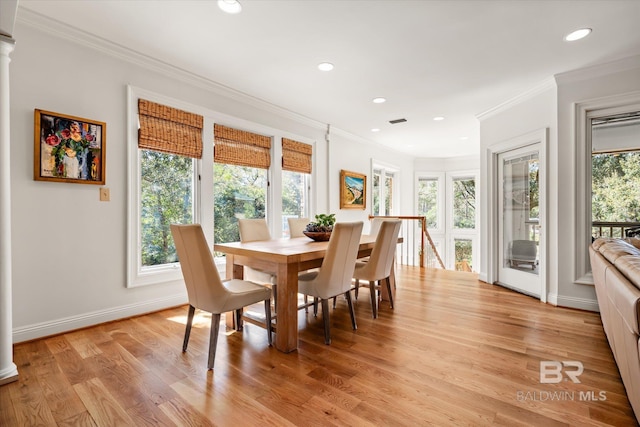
[(353, 190), (68, 149)]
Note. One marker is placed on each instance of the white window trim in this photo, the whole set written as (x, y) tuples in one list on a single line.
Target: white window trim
[(450, 177), (584, 113), (387, 168), (136, 275), (440, 211), (203, 205), (462, 233)]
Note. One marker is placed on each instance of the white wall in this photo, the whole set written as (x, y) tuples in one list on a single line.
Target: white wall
[(356, 157), (449, 164), (617, 78), (555, 109), (536, 111), (69, 249)]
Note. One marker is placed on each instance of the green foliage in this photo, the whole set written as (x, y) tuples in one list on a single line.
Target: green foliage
[(292, 194), (463, 252), (615, 187), (428, 201), (239, 192), (464, 203), (167, 198), (323, 222)]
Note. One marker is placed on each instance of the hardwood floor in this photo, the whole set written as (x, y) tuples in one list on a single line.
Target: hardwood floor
[(455, 351)]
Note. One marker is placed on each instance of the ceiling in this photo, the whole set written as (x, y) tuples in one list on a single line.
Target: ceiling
[(455, 59)]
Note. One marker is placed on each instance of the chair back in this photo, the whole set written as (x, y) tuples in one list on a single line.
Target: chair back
[(297, 226), (204, 287), (376, 223), (339, 262), (252, 230), (381, 258)]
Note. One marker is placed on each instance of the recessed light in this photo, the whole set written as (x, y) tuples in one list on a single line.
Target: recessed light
[(578, 34), (438, 118), (379, 100), (325, 66), (464, 138), (230, 6), (375, 130)]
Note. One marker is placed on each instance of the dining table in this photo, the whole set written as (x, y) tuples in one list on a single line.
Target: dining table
[(285, 258)]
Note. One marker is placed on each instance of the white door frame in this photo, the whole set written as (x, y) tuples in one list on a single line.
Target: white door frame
[(492, 152)]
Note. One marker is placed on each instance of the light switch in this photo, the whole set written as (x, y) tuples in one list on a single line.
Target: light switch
[(104, 194)]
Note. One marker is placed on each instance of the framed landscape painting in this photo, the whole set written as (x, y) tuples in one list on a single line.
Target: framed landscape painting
[(68, 149), (353, 190)]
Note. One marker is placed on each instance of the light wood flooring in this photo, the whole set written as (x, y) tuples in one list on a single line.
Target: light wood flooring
[(455, 351)]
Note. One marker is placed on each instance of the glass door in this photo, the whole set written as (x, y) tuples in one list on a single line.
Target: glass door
[(519, 219)]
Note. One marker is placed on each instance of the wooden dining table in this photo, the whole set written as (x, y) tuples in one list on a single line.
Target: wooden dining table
[(283, 258)]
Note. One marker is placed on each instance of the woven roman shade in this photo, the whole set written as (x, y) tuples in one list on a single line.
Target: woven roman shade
[(296, 156), (169, 130), (241, 148)]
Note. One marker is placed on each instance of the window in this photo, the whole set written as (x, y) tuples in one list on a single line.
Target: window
[(239, 192), (463, 254), (164, 156), (170, 183), (242, 160), (615, 175), (428, 200), (461, 230), (464, 203), (295, 197), (383, 191), (296, 174), (166, 195)]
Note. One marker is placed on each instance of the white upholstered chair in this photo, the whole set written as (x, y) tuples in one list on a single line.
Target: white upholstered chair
[(252, 230), (207, 292), (297, 226), (334, 275), (377, 268)]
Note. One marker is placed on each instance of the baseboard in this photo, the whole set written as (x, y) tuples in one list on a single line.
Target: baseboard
[(572, 302), (9, 375), (53, 327)]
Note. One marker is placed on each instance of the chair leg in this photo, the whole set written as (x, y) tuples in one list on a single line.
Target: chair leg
[(306, 301), (334, 302), (325, 318), (187, 331), (267, 319), (213, 339), (239, 320), (357, 286), (374, 299), (315, 307), (388, 282), (351, 311)]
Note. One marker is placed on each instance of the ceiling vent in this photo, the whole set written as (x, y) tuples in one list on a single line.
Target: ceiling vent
[(393, 122)]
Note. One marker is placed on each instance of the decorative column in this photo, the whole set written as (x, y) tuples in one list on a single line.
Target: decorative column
[(8, 369)]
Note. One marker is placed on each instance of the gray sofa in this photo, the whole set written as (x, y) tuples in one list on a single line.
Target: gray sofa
[(616, 273)]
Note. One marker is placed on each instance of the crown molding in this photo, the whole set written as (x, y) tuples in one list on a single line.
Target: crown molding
[(620, 65), (107, 47), (355, 138), (546, 84)]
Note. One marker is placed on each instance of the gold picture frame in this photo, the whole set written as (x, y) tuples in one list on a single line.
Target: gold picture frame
[(68, 149), (353, 190)]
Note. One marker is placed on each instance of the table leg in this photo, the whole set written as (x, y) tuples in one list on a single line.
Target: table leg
[(287, 309)]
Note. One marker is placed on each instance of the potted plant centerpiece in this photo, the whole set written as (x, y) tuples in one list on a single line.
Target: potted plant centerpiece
[(320, 229)]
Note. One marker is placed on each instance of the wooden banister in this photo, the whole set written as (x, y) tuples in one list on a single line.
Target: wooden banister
[(424, 233)]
